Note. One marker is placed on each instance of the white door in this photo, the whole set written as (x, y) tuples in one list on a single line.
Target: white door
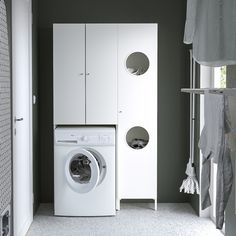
[(22, 94), (101, 73), (69, 77)]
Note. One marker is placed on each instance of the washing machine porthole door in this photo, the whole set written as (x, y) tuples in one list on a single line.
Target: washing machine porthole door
[(82, 170)]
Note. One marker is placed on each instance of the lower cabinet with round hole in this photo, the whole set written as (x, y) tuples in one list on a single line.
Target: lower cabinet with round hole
[(137, 113)]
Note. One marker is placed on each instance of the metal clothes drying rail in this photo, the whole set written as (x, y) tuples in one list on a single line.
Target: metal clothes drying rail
[(225, 91)]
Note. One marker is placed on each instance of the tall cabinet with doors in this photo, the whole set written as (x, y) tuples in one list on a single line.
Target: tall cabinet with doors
[(137, 112), (106, 74)]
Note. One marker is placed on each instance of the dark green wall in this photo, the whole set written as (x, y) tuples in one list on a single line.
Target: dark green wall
[(172, 73), (35, 106)]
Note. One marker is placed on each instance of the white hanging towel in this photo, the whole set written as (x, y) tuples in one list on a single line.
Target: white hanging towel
[(210, 27)]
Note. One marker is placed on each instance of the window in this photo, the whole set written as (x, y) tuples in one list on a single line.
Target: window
[(219, 77)]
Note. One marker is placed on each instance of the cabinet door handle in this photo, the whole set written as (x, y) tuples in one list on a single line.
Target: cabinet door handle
[(87, 73), (81, 73), (18, 119)]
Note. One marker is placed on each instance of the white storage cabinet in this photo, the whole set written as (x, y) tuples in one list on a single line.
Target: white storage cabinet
[(89, 59), (137, 117), (85, 74)]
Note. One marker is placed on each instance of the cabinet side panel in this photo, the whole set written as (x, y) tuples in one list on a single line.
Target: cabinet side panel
[(101, 70), (69, 73)]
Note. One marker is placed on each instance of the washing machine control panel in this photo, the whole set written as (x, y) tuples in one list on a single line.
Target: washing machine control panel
[(94, 140), (74, 137)]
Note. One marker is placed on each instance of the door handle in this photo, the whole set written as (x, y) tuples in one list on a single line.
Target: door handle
[(19, 119)]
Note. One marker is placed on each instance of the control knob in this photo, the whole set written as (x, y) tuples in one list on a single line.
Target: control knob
[(84, 138)]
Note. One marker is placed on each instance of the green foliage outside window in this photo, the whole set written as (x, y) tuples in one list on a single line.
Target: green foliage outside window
[(223, 77)]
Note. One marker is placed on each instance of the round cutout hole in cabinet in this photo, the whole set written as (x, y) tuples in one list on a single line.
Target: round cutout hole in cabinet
[(137, 63), (137, 137)]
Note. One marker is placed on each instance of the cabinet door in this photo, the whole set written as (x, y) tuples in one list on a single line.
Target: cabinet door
[(69, 73), (101, 74), (137, 105)]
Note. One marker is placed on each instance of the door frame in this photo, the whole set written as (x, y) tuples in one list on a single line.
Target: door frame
[(28, 222)]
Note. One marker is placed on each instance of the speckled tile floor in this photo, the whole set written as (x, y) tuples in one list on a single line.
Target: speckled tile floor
[(133, 219)]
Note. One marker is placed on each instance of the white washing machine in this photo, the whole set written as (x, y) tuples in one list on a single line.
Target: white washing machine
[(84, 171)]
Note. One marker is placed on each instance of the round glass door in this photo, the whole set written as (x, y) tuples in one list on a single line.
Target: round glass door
[(82, 171)]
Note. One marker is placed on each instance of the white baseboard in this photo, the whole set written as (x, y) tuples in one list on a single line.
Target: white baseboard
[(25, 227)]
